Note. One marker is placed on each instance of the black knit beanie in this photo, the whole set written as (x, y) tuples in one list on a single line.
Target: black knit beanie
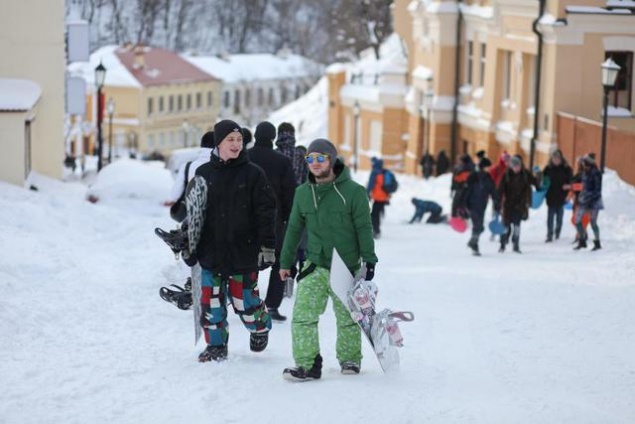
[(223, 128)]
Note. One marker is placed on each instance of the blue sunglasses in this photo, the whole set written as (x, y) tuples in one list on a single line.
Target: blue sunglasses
[(319, 157)]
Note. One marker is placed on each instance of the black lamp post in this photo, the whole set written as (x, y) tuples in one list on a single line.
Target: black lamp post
[(610, 70), (100, 76), (356, 112), (110, 108)]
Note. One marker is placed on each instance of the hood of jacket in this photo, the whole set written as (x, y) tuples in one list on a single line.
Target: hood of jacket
[(285, 141)]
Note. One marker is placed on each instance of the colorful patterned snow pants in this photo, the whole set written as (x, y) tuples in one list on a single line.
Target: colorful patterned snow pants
[(242, 290), (310, 302)]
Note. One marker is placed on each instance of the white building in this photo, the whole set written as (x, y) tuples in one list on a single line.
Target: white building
[(254, 85)]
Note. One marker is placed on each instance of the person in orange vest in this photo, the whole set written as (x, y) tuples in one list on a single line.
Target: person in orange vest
[(460, 175), (377, 194)]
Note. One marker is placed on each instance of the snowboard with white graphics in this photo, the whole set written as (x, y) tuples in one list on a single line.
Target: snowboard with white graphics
[(196, 203), (358, 296)]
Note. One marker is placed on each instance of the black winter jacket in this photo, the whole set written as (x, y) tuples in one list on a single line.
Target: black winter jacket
[(279, 172), (515, 194), (480, 187), (240, 217), (559, 176)]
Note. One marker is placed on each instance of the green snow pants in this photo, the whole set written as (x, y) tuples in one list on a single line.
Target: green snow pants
[(310, 302)]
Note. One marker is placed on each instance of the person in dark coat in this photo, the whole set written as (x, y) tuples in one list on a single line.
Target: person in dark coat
[(237, 240), (515, 199), (559, 174), (443, 163), (480, 188), (460, 175), (279, 171), (247, 137), (590, 202), (286, 145), (425, 206), (427, 165)]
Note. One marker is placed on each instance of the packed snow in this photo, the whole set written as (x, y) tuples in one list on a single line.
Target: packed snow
[(18, 94), (542, 337)]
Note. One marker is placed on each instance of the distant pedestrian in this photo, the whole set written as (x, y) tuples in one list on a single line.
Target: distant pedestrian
[(424, 206), (461, 173), (286, 145), (590, 202), (377, 194), (443, 163), (480, 188), (559, 174), (427, 165), (279, 172), (515, 199)]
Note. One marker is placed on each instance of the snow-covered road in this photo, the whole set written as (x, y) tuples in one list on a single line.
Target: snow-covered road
[(542, 337)]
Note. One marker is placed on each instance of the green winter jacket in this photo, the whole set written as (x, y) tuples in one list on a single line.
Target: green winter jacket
[(336, 215)]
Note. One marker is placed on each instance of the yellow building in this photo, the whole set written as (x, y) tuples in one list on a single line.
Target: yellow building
[(32, 89), (161, 102), (472, 76)]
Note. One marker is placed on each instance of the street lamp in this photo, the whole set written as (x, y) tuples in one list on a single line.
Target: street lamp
[(186, 128), (356, 112), (110, 108), (100, 77), (610, 70)]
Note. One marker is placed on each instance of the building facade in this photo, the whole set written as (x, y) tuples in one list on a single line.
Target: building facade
[(161, 102), (32, 68), (474, 81)]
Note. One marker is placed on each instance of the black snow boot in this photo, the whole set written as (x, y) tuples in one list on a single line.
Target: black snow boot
[(276, 316), (350, 368), (549, 238), (581, 244), (301, 374), (258, 341), (213, 353), (473, 244), (596, 245), (516, 243)]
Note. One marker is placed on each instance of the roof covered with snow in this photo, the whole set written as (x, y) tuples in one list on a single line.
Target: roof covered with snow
[(18, 95), (250, 67), (159, 67)]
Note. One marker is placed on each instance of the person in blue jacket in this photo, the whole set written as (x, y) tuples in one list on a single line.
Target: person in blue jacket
[(425, 206), (590, 201)]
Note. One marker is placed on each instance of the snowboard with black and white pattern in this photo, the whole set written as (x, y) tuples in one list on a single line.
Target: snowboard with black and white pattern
[(196, 205)]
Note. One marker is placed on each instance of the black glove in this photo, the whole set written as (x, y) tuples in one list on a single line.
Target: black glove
[(266, 257), (370, 271)]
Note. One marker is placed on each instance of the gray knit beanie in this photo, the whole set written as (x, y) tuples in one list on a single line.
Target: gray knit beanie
[(322, 145)]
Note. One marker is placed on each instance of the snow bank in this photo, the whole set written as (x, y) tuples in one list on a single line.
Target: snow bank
[(130, 179)]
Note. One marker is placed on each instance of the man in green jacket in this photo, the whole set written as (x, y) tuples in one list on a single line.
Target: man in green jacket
[(334, 210)]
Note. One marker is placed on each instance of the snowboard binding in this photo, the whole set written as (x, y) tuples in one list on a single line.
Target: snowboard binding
[(177, 295), (175, 239)]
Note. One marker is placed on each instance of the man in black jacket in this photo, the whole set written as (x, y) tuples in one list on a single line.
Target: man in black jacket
[(480, 188), (559, 174), (237, 240), (279, 171)]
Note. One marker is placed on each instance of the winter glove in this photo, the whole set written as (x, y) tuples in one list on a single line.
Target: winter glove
[(266, 257), (370, 271)]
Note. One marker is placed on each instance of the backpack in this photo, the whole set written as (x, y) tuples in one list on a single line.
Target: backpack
[(390, 182)]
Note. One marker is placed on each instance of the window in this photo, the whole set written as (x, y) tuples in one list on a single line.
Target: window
[(150, 141), (150, 106), (507, 76), (171, 104), (179, 103), (621, 95), (210, 99), (283, 94), (161, 104), (248, 98), (469, 63), (161, 139), (199, 100), (171, 138), (188, 102), (483, 59), (261, 96), (237, 101), (272, 98), (226, 100), (298, 91)]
